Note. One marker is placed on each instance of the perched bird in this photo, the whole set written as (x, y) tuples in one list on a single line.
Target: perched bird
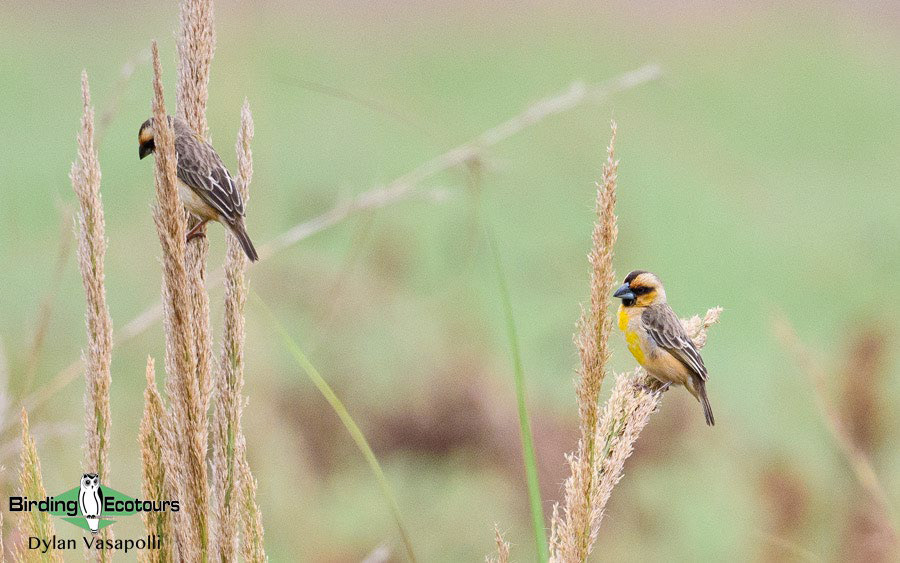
[(205, 186), (656, 338)]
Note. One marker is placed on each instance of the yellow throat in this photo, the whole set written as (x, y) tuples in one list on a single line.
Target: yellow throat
[(631, 337)]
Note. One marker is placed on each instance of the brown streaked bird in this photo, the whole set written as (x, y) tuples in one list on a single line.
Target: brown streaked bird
[(657, 340), (205, 186)]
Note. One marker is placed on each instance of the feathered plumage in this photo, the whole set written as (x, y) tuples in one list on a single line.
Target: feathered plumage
[(204, 184), (656, 338)]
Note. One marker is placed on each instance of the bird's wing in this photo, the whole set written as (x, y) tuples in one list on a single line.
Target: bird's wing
[(200, 167), (662, 324)]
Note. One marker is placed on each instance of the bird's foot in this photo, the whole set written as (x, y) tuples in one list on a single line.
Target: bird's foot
[(197, 231), (654, 387)]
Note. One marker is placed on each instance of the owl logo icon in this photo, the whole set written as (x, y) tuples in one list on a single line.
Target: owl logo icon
[(90, 500)]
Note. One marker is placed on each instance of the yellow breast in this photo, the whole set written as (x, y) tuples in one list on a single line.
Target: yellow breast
[(632, 337)]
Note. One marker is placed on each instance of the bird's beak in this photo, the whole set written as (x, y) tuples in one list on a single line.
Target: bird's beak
[(144, 150), (624, 292)]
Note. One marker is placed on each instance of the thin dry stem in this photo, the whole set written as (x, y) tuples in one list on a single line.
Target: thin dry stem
[(33, 523), (186, 460), (85, 178), (576, 95), (153, 485), (45, 313), (860, 464), (227, 410)]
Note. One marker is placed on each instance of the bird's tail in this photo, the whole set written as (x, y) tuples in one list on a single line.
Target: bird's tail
[(704, 400), (240, 232)]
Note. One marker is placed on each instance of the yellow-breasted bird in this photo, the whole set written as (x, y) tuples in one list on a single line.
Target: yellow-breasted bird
[(656, 338), (205, 186)]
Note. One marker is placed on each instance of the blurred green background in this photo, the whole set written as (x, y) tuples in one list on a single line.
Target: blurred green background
[(758, 173)]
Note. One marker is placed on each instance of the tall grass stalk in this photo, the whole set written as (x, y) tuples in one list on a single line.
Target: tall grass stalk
[(33, 523), (575, 534), (607, 435), (185, 459), (85, 176), (252, 546), (226, 419), (153, 482), (196, 46), (212, 477), (531, 471), (173, 440), (347, 420)]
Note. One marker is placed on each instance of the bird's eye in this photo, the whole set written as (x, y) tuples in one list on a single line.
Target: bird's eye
[(641, 290)]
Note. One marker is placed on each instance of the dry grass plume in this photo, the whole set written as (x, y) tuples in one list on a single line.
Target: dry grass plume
[(153, 483), (33, 523), (579, 527), (185, 460), (196, 46), (203, 463), (252, 546), (502, 549), (85, 176), (607, 436), (227, 409)]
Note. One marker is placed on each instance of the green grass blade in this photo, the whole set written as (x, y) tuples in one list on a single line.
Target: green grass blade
[(531, 473), (347, 420)]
